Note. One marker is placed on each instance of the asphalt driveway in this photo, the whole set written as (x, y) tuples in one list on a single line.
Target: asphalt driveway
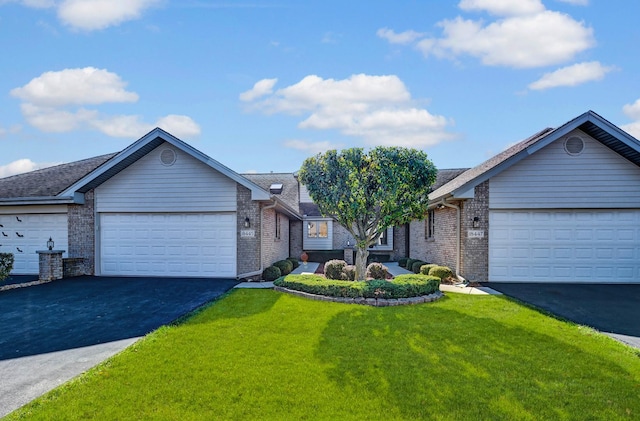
[(610, 309), (51, 332)]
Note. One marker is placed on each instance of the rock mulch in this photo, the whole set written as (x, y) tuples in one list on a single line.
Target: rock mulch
[(374, 302)]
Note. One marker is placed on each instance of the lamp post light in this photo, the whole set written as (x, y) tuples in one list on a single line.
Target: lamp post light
[(50, 244)]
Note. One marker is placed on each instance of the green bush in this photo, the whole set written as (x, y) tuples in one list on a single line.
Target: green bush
[(424, 269), (271, 273), (403, 286), (415, 266), (285, 266), (402, 262), (334, 269), (442, 272), (6, 265), (377, 271), (409, 263), (294, 261), (349, 272)]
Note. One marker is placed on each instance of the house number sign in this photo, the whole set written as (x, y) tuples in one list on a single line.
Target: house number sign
[(475, 233), (247, 233)]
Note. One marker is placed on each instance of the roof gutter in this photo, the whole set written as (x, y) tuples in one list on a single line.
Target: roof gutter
[(40, 200)]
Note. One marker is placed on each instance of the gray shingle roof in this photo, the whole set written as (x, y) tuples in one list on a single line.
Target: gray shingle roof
[(49, 182), (289, 193)]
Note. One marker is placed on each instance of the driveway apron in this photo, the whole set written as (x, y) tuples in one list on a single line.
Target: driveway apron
[(610, 309), (52, 332)]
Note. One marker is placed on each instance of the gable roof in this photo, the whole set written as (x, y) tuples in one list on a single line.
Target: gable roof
[(591, 123), (146, 144), (285, 202), (46, 183)]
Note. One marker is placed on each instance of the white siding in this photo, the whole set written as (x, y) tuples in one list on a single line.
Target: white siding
[(149, 186), (551, 178), (304, 195)]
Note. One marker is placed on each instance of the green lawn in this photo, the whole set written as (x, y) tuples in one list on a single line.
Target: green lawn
[(260, 354)]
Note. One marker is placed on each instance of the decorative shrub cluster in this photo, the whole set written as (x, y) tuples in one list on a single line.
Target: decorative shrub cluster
[(416, 265), (442, 272), (403, 286), (402, 262), (285, 266), (424, 269), (271, 273), (377, 271), (420, 267), (6, 265), (350, 272), (294, 261), (334, 269)]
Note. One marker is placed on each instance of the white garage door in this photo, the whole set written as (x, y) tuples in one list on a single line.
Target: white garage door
[(601, 246), (162, 244), (24, 234)]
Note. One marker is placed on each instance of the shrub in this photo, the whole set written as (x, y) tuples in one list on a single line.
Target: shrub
[(294, 261), (6, 265), (377, 271), (334, 269), (415, 266), (409, 263), (285, 266), (349, 273), (424, 269), (402, 262), (403, 286), (442, 272), (271, 273)]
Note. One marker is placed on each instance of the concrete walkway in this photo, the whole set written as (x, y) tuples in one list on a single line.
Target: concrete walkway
[(309, 267)]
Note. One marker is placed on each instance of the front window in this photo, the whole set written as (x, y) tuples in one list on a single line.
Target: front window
[(317, 229), (429, 225), (384, 238), (278, 227)]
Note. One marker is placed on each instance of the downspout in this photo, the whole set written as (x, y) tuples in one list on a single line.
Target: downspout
[(443, 202), (259, 272)]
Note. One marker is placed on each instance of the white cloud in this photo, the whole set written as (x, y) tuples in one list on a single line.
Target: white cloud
[(75, 86), (576, 2), (261, 88), (524, 34), (406, 37), (312, 147), (632, 111), (502, 7), (55, 102), (11, 130), (573, 75), (378, 109), (21, 166), (91, 15)]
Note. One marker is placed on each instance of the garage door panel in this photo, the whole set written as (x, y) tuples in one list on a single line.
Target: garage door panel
[(575, 246), (168, 244)]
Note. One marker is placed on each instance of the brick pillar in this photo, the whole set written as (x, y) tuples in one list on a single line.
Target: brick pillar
[(50, 265)]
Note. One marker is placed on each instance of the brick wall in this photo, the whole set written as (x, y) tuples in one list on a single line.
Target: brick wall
[(475, 251), (441, 248), (81, 237), (274, 249), (399, 242), (248, 249), (295, 238)]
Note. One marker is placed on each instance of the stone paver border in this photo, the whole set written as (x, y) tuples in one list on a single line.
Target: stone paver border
[(374, 302), (24, 285)]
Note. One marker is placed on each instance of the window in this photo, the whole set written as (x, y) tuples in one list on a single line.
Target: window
[(429, 226), (278, 226), (384, 238), (317, 229)]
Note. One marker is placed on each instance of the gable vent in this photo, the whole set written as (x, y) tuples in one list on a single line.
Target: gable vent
[(168, 157), (574, 145)]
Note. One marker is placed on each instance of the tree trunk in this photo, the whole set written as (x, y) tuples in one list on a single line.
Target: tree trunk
[(361, 263)]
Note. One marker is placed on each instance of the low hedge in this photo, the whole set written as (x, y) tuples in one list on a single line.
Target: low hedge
[(271, 273), (285, 266), (416, 265), (294, 261), (6, 265), (402, 286), (402, 262)]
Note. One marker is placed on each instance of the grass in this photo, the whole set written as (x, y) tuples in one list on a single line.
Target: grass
[(260, 354)]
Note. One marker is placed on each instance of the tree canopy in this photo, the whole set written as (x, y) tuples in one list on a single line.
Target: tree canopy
[(368, 193)]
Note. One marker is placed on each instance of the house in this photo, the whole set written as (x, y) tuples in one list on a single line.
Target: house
[(562, 206), (157, 208)]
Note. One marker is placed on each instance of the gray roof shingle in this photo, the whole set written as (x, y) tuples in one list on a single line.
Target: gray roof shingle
[(289, 182), (48, 182)]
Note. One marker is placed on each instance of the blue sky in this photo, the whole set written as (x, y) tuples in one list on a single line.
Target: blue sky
[(261, 85)]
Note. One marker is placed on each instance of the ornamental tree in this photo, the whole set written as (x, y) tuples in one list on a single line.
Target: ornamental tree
[(368, 193)]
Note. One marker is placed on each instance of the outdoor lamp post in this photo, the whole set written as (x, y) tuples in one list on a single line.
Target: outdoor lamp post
[(50, 244)]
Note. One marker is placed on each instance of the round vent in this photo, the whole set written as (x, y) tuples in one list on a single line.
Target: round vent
[(574, 145), (168, 157)]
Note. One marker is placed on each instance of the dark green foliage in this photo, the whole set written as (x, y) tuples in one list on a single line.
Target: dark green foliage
[(442, 272), (403, 286), (377, 271), (402, 262), (271, 273), (349, 273), (285, 266), (424, 269), (294, 261), (378, 257), (334, 269), (6, 265), (410, 263), (416, 265)]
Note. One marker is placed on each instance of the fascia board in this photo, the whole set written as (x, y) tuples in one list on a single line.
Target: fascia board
[(43, 200)]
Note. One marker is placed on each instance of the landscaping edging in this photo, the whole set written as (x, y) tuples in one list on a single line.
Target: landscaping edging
[(374, 302), (24, 284)]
